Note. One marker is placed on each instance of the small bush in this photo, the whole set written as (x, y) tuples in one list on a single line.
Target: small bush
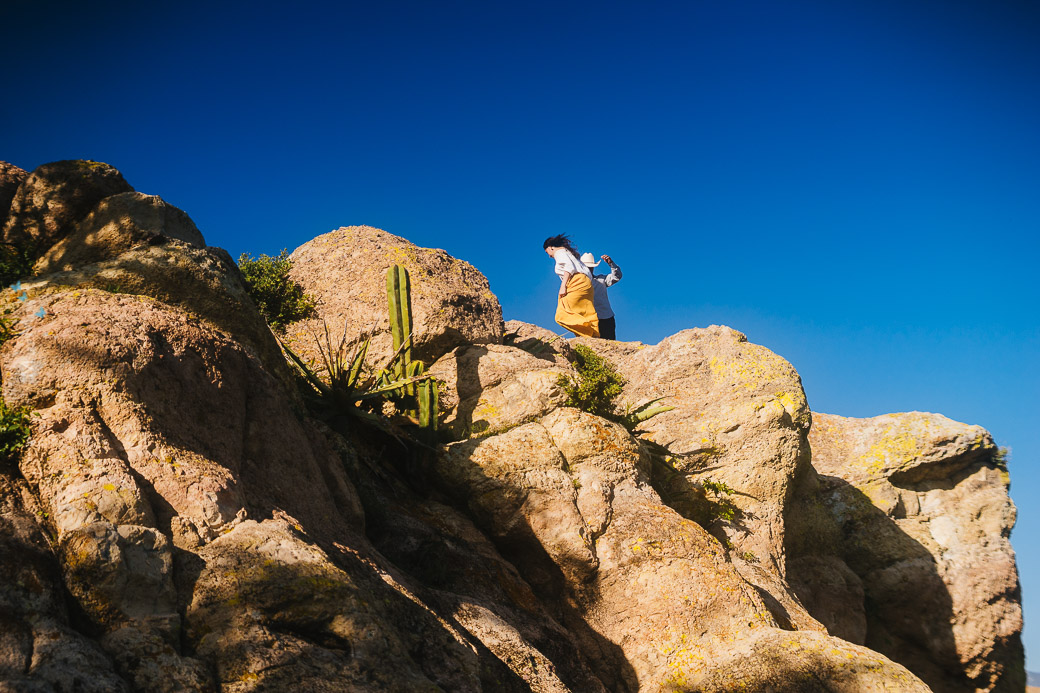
[(15, 427), (281, 300), (596, 387), (16, 262)]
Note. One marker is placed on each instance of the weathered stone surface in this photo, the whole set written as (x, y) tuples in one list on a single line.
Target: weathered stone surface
[(152, 437), (832, 593), (345, 271), (489, 388), (10, 178), (567, 499), (464, 577), (203, 281), (55, 197), (117, 224), (916, 505), (39, 650), (274, 612), (212, 536), (740, 417), (540, 342)]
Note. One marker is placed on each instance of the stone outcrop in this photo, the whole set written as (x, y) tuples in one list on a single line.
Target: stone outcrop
[(652, 595), (740, 418), (180, 519), (56, 196), (345, 272), (901, 536), (490, 388), (117, 224), (10, 178)]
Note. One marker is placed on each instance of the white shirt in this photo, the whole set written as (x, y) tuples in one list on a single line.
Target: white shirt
[(567, 263), (600, 282)]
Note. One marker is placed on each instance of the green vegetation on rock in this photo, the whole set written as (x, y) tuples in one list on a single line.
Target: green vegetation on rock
[(350, 388), (16, 262), (597, 387), (280, 299), (15, 427)]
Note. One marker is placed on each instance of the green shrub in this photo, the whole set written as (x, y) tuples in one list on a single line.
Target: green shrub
[(281, 300), (15, 427), (597, 388), (16, 262), (597, 385)]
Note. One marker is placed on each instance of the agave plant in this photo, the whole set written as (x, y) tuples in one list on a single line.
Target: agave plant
[(349, 386)]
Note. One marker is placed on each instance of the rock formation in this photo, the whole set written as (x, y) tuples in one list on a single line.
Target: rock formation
[(904, 522), (10, 178), (345, 271), (181, 521)]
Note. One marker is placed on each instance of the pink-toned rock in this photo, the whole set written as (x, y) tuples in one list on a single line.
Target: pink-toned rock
[(568, 500), (39, 649), (489, 388), (150, 436)]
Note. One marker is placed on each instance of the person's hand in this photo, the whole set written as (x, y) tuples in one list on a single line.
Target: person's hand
[(563, 291), (605, 257)]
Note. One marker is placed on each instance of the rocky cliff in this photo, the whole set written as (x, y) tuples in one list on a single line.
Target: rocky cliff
[(179, 520)]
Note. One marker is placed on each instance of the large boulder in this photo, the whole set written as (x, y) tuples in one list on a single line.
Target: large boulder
[(345, 272), (117, 224), (486, 389), (204, 281), (905, 521), (10, 178), (208, 533), (740, 418), (131, 467), (651, 597), (39, 648), (55, 197)]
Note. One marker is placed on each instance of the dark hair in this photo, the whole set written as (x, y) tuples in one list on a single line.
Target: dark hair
[(560, 241)]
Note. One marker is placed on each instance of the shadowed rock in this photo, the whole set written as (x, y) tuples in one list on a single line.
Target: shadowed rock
[(117, 224), (10, 178), (55, 197), (916, 505)]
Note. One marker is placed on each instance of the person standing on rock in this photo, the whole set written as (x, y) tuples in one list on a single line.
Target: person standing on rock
[(600, 282), (575, 309)]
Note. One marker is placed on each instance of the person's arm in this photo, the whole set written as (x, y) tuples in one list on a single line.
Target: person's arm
[(563, 283), (615, 272)]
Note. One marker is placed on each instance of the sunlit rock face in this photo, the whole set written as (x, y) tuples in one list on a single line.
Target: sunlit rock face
[(181, 520), (345, 271), (906, 521)]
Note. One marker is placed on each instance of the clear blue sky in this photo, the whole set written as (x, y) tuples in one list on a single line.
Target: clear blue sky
[(855, 185)]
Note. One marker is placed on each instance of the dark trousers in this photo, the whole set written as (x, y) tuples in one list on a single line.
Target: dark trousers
[(607, 329)]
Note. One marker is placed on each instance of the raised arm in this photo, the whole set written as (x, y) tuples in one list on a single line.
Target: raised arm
[(615, 272)]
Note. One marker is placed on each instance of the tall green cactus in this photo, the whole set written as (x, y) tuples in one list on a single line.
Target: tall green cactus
[(399, 298), (428, 397), (423, 393)]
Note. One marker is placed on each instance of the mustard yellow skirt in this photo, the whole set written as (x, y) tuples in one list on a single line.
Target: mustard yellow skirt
[(575, 310)]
